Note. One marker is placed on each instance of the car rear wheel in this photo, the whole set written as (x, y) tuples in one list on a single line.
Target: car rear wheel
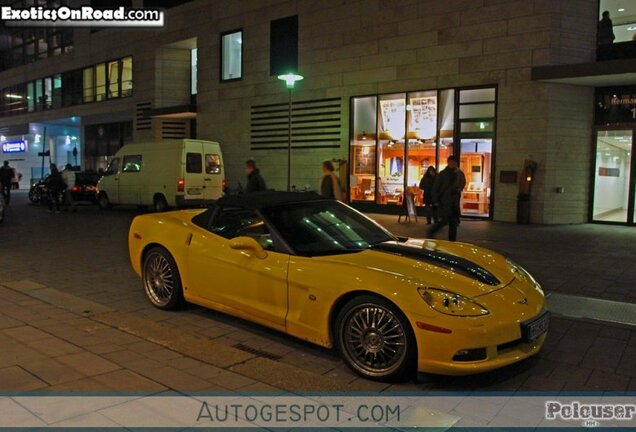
[(161, 279), (375, 339), (159, 204), (104, 202)]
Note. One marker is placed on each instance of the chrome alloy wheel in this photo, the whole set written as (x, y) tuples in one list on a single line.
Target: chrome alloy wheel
[(158, 279), (374, 339)]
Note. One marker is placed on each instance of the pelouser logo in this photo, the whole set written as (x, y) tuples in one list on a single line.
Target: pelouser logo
[(84, 16), (590, 414)]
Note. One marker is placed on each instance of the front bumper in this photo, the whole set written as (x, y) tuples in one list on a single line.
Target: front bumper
[(496, 344)]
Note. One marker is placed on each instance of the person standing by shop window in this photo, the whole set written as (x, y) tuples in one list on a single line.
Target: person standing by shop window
[(255, 181), (605, 36), (69, 179), (330, 183), (6, 178), (426, 185), (55, 185), (447, 193)]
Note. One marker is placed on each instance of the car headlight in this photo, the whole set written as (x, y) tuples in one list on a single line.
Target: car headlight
[(523, 274), (450, 303)]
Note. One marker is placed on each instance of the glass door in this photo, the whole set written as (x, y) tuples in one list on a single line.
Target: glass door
[(612, 176), (476, 164)]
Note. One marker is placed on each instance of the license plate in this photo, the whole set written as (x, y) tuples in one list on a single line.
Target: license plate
[(194, 191), (533, 329)]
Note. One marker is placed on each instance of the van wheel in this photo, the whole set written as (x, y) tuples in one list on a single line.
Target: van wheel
[(104, 202), (159, 204)]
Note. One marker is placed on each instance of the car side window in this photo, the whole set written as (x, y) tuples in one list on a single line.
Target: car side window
[(194, 163), (132, 163), (231, 223)]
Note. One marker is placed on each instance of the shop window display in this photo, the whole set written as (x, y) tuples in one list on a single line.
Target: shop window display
[(418, 130), (363, 142), (391, 136), (422, 139)]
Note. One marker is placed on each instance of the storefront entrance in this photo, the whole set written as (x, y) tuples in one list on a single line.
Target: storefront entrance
[(614, 177), (396, 138)]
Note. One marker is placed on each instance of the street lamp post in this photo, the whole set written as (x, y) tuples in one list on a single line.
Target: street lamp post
[(290, 80)]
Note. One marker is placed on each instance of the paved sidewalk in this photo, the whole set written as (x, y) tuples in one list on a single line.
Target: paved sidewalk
[(74, 317)]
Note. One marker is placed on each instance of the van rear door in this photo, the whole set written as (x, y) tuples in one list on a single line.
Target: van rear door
[(213, 171), (193, 172)]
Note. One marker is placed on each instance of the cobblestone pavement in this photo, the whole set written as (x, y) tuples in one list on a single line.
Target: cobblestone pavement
[(73, 316)]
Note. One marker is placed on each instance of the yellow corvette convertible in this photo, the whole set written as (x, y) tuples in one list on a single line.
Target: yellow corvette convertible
[(323, 272)]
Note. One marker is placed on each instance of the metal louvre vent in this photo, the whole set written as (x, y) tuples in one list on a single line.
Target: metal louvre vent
[(315, 124), (173, 129), (142, 122)]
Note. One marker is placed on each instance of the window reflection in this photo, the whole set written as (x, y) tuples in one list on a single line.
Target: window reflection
[(391, 136)]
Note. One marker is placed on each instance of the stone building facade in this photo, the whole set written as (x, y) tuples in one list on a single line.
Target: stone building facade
[(355, 48)]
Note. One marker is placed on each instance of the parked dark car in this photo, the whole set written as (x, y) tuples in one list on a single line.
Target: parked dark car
[(85, 188)]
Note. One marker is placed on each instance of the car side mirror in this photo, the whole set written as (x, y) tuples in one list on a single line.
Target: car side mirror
[(248, 244)]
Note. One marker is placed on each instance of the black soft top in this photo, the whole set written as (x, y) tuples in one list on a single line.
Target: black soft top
[(261, 200)]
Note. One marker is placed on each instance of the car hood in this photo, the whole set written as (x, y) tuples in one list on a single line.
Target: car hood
[(463, 268)]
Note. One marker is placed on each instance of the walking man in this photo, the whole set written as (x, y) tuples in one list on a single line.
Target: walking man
[(255, 181), (6, 178), (55, 185), (447, 192)]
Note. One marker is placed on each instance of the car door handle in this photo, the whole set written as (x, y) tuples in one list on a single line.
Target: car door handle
[(207, 179)]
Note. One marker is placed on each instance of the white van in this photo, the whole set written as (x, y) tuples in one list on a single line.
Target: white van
[(163, 174)]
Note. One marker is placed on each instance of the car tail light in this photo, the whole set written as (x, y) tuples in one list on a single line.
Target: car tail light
[(180, 185), (76, 189), (224, 184)]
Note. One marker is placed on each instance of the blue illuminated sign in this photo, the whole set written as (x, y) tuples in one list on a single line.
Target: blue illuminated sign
[(14, 146)]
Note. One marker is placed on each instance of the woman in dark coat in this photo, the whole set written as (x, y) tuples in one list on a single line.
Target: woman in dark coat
[(55, 185), (426, 184)]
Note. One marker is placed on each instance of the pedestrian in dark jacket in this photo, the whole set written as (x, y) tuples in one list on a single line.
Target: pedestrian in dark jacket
[(6, 178), (330, 184), (426, 185), (55, 185), (255, 181), (605, 36), (447, 193)]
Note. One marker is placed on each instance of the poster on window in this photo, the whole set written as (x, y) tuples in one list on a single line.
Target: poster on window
[(423, 119), (393, 117)]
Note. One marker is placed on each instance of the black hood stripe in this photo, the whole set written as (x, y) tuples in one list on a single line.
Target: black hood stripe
[(441, 259)]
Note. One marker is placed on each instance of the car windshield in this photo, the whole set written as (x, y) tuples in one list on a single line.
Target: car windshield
[(325, 228)]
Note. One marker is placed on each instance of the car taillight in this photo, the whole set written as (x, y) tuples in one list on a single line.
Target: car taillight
[(76, 189), (180, 185), (224, 184)]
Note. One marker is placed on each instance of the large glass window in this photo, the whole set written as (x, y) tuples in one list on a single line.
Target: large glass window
[(623, 16), (363, 142), (194, 62), (126, 77), (113, 79), (232, 55), (612, 175), (391, 138), (418, 130), (422, 139), (89, 84), (100, 82)]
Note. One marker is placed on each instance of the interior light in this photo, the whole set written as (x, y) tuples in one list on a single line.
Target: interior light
[(482, 125), (632, 28), (13, 96), (621, 9)]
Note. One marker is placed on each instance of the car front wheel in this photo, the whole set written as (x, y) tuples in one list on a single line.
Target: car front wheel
[(161, 279), (375, 339)]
